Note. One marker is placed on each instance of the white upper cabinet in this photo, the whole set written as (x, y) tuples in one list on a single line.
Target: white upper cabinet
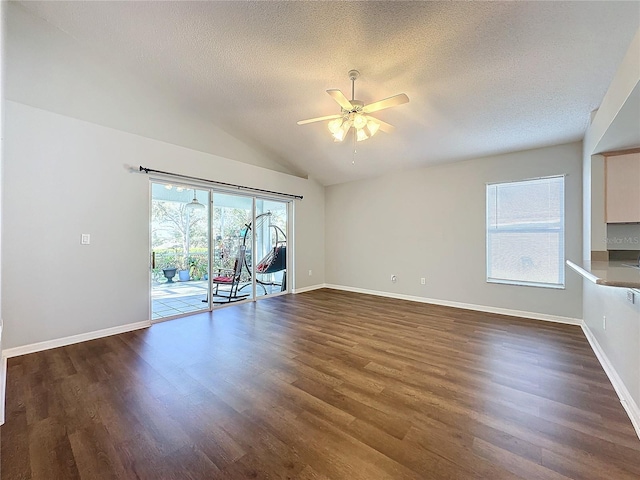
[(622, 185)]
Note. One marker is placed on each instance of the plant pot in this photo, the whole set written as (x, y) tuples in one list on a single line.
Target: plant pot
[(183, 275), (169, 273)]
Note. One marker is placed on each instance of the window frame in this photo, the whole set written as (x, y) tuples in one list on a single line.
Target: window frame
[(527, 228)]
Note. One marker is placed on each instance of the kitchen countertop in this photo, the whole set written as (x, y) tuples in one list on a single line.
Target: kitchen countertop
[(613, 273)]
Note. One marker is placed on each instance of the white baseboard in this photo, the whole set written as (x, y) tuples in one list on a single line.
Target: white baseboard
[(308, 289), (83, 337), (465, 306), (3, 376), (630, 406)]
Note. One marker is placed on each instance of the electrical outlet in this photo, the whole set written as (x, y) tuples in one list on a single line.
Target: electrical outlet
[(630, 296), (394, 278), (310, 272), (604, 322), (423, 281), (85, 239)]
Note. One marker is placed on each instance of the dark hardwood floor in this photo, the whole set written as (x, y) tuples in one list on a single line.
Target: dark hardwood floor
[(320, 385)]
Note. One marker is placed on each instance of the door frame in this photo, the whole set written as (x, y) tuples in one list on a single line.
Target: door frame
[(188, 186), (211, 190)]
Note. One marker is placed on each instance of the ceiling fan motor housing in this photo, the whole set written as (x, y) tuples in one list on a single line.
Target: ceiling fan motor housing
[(357, 107)]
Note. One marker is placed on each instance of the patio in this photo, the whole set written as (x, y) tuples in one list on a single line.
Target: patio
[(179, 298)]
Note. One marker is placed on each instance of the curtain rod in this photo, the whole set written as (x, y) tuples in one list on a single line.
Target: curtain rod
[(224, 184)]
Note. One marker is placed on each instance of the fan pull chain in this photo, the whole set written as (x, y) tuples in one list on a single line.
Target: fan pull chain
[(353, 157), (353, 96)]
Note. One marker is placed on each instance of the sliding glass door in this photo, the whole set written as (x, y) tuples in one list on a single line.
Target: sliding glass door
[(233, 241), (212, 248), (271, 247), (179, 250), (250, 247)]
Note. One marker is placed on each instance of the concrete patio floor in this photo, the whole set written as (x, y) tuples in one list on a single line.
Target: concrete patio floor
[(179, 298)]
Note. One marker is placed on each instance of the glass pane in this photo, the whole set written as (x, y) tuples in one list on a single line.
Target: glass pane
[(180, 244), (525, 231), (271, 247), (232, 243), (526, 257)]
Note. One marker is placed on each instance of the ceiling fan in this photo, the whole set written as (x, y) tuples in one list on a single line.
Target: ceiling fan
[(355, 114)]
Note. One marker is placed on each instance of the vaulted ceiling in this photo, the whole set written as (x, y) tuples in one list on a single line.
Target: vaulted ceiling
[(482, 77)]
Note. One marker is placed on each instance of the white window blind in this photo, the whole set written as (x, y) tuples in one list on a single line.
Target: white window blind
[(525, 232)]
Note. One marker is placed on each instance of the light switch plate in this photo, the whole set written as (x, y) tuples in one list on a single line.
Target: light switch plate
[(85, 239)]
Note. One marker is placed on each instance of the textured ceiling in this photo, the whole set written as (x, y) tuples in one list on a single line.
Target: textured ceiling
[(482, 77)]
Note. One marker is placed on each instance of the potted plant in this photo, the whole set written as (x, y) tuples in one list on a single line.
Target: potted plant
[(169, 273), (168, 267), (183, 272), (197, 266)]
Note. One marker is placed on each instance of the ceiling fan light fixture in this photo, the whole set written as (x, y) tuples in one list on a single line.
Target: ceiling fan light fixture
[(355, 113), (361, 135), (342, 133), (334, 125), (339, 136), (359, 121), (373, 127)]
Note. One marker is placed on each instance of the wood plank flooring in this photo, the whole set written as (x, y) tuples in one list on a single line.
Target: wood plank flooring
[(320, 385)]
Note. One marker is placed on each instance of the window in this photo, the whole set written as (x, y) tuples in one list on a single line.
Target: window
[(525, 232)]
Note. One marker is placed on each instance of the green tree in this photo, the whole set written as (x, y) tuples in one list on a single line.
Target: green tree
[(176, 225)]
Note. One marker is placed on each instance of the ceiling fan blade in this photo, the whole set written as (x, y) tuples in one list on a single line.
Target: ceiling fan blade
[(318, 119), (339, 97), (386, 103), (384, 126)]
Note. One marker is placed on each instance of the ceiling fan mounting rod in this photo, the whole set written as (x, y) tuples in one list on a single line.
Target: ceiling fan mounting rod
[(353, 76)]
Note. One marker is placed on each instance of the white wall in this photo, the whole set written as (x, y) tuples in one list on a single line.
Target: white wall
[(621, 339), (431, 223), (75, 126), (620, 342), (623, 85), (3, 364), (623, 236), (594, 169), (64, 177), (50, 70)]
